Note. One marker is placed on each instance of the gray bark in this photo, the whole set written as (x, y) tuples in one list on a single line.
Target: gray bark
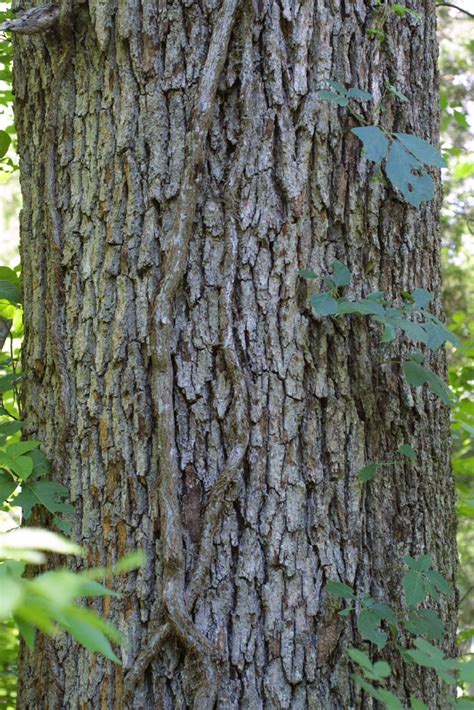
[(177, 169)]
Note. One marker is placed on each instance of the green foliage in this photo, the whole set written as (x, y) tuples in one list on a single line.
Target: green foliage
[(381, 626), (409, 316), (406, 156), (23, 466), (49, 602)]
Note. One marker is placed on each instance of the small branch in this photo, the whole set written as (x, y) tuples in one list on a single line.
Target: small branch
[(38, 19), (455, 7)]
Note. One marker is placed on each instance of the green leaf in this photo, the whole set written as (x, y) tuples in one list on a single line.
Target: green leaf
[(375, 142), (364, 307), (21, 466), (5, 141), (337, 86), (339, 589), (418, 375), (406, 450), (7, 382), (413, 331), (360, 658), (383, 611), (341, 274), (406, 174), (82, 625), (384, 696), (463, 704), (422, 297), (417, 704), (368, 624), (7, 486), (27, 632), (355, 93), (20, 448), (436, 335), (414, 587), (131, 561), (333, 98), (466, 672), (46, 493), (421, 149), (395, 92), (9, 291), (41, 465), (436, 579), (307, 274), (425, 622), (11, 596), (7, 274), (368, 473), (428, 656), (324, 304)]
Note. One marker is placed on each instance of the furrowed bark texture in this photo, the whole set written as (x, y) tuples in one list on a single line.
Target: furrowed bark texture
[(177, 169)]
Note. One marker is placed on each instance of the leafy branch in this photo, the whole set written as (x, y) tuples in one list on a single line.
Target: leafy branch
[(381, 625), (426, 330), (404, 156)]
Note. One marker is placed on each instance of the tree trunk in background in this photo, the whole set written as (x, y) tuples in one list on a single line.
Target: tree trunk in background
[(177, 169)]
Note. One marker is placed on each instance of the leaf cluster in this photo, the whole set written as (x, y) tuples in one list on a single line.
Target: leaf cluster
[(409, 316), (381, 625), (49, 601)]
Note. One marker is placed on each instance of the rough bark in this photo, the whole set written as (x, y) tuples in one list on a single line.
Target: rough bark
[(177, 170)]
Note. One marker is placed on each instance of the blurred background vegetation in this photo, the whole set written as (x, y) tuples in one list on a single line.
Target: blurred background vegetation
[(456, 34)]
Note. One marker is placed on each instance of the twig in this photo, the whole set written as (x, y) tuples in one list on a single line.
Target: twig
[(455, 7), (177, 251), (37, 19)]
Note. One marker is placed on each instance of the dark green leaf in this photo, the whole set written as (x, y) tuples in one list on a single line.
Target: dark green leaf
[(425, 622), (41, 465), (368, 473), (307, 274), (7, 486), (375, 142), (339, 589), (9, 292), (7, 382), (414, 587), (437, 580), (5, 141), (395, 92), (384, 696), (406, 450), (368, 624), (47, 493)]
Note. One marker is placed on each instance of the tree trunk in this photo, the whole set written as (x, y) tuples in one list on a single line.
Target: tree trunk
[(177, 169)]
